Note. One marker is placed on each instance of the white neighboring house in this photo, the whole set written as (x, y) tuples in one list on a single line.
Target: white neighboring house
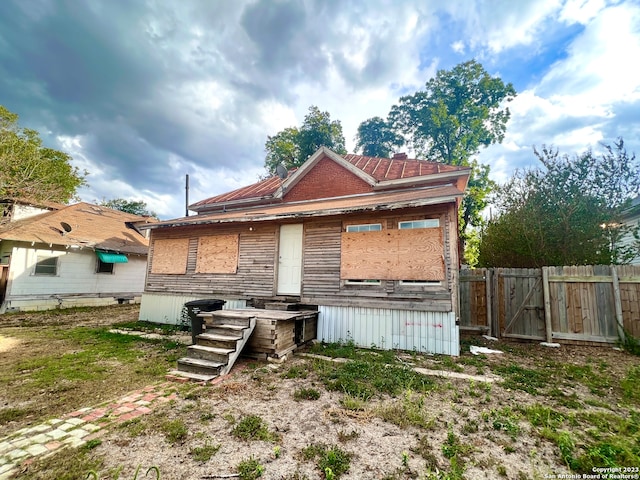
[(58, 256), (632, 218)]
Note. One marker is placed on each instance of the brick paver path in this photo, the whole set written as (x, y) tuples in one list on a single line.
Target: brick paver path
[(76, 428)]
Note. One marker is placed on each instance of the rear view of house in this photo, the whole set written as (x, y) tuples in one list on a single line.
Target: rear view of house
[(55, 256), (372, 243)]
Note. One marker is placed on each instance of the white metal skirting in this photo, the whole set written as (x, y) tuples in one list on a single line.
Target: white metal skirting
[(167, 309), (428, 332)]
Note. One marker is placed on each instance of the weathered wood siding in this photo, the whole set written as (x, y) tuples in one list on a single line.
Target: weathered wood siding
[(322, 257), (321, 261), (255, 270)]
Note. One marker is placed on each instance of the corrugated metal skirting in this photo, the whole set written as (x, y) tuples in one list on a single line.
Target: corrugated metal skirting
[(428, 332), (163, 308)]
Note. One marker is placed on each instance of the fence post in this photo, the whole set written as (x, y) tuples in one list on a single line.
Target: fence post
[(617, 299), (547, 304), (487, 286)]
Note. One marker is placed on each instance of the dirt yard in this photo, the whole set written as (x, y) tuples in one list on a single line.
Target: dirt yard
[(550, 412)]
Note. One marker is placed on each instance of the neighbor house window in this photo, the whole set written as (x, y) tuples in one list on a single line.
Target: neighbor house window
[(362, 282), (46, 266), (104, 267), (370, 227), (427, 223)]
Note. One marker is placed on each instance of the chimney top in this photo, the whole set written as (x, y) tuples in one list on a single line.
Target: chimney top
[(399, 156)]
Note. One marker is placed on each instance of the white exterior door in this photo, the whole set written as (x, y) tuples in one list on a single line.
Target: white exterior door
[(290, 260)]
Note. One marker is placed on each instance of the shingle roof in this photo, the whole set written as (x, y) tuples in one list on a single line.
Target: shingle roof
[(381, 169), (92, 226)]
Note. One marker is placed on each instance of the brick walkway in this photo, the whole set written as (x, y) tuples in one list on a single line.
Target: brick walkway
[(77, 428)]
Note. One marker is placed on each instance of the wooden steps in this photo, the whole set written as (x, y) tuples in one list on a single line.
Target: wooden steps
[(218, 348)]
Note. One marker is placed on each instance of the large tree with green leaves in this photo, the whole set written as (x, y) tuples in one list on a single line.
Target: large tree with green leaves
[(460, 111), (568, 211), (30, 170), (135, 207), (292, 146), (376, 138)]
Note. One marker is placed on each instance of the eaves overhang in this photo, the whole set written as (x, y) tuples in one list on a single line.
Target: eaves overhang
[(310, 209)]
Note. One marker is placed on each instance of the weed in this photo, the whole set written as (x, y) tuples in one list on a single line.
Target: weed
[(330, 459), (175, 431), (541, 416), (277, 451), (205, 452), (409, 412), (231, 420), (134, 427), (156, 470), (405, 459), (352, 403), (519, 378), (296, 371), (425, 450), (629, 385), (363, 379), (207, 416), (11, 414), (470, 426), (249, 469), (503, 419), (502, 470), (252, 427), (306, 394), (344, 437)]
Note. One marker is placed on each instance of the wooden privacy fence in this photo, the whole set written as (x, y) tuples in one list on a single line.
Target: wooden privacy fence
[(554, 304)]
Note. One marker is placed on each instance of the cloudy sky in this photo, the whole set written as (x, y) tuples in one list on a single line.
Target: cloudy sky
[(141, 93)]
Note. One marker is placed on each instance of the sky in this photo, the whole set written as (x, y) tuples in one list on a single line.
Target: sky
[(142, 93)]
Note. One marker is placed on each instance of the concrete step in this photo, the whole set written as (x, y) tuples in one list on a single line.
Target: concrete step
[(219, 340), (213, 354), (196, 377), (200, 366)]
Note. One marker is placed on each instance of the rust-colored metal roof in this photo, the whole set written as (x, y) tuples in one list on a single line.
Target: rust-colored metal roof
[(381, 169), (397, 168), (384, 200), (91, 226)]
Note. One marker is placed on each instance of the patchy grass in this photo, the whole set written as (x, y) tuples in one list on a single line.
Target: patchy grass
[(306, 394), (64, 366), (332, 461), (252, 427)]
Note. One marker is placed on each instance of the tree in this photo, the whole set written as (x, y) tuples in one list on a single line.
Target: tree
[(376, 138), (460, 111), (134, 207), (567, 212), (292, 146), (30, 170)]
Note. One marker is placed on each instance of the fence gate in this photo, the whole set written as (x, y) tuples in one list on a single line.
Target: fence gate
[(519, 303)]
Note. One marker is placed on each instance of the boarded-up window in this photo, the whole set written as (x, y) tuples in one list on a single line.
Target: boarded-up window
[(170, 256), (217, 254), (393, 255)]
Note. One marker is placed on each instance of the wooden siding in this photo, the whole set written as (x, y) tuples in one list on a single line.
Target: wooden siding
[(254, 276), (321, 282)]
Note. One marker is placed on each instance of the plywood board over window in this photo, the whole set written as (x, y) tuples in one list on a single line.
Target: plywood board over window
[(170, 256), (217, 254), (393, 255)]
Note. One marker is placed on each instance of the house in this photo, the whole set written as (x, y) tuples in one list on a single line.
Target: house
[(372, 243), (632, 219), (54, 256)]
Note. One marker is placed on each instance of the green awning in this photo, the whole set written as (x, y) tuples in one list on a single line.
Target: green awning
[(108, 257)]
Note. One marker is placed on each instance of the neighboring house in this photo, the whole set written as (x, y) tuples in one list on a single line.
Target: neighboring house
[(632, 218), (372, 242), (59, 256)]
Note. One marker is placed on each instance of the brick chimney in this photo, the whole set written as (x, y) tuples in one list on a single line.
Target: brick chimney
[(400, 156)]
